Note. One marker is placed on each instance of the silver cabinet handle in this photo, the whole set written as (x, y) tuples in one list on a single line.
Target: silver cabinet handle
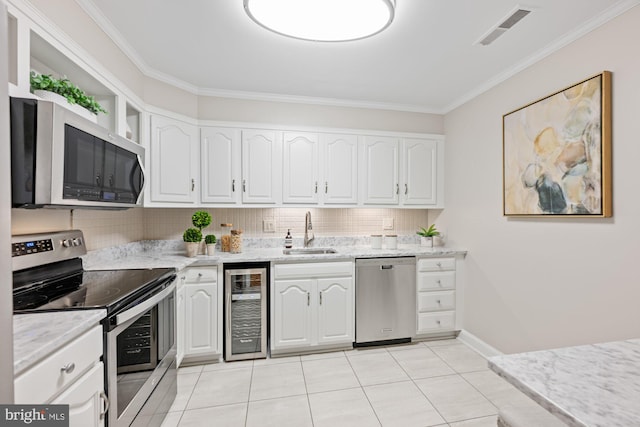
[(397, 188), (68, 368), (438, 322), (193, 184), (320, 297), (406, 189), (183, 277), (199, 274), (326, 187), (244, 185), (316, 187), (439, 264), (308, 298), (244, 341), (233, 186), (438, 301), (105, 399)]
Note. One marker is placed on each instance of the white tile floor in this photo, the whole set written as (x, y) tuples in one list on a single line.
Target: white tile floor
[(433, 383)]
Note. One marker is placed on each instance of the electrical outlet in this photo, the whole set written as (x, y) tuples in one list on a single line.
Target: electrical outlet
[(268, 226), (387, 223)]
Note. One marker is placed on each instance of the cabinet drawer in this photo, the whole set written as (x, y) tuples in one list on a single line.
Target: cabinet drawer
[(436, 301), (436, 281), (436, 322), (197, 275), (315, 269), (436, 264), (41, 382)]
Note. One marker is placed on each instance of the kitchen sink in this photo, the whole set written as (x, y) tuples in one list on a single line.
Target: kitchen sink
[(308, 251)]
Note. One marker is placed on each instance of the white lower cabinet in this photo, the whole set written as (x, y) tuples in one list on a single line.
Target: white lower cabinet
[(197, 314), (72, 375), (436, 296), (312, 306)]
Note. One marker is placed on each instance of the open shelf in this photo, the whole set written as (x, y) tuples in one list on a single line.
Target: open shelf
[(46, 59), (133, 123)]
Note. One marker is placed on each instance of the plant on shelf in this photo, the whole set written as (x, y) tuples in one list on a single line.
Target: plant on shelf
[(210, 240), (427, 235), (65, 88)]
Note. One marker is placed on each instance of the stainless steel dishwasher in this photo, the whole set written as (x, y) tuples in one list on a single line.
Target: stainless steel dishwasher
[(385, 300)]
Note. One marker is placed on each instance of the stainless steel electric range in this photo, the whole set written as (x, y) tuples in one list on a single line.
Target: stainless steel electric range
[(139, 330)]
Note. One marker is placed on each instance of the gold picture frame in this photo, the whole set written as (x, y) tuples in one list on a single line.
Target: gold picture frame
[(556, 153)]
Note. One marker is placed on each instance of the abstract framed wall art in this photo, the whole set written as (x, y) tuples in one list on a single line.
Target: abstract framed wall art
[(557, 153)]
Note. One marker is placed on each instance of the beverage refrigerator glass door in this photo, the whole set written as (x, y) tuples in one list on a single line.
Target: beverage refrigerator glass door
[(245, 313)]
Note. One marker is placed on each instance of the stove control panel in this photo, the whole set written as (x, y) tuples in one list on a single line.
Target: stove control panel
[(31, 247), (30, 250)]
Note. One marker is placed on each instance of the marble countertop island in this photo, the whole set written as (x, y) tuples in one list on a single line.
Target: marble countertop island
[(37, 335), (585, 386)]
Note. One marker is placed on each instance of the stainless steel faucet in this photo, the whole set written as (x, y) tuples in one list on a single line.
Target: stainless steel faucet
[(308, 227)]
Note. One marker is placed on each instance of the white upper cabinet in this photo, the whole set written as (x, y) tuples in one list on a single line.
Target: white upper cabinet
[(300, 171), (174, 160), (261, 166), (220, 165), (339, 184), (379, 174), (419, 172)]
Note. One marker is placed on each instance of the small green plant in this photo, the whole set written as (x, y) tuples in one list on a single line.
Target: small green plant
[(210, 239), (428, 232), (64, 87), (201, 219), (192, 235)]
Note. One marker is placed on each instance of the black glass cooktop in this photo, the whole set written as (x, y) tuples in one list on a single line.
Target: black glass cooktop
[(108, 289)]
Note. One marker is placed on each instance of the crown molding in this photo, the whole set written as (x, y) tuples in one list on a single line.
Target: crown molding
[(568, 38)]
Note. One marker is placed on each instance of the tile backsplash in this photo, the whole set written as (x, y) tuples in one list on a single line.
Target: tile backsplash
[(104, 229)]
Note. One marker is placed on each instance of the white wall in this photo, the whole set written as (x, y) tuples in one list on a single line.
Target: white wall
[(6, 302), (542, 283)]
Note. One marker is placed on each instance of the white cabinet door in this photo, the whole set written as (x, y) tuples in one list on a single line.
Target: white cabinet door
[(293, 319), (84, 399), (420, 172), (174, 160), (380, 171), (180, 322), (201, 319), (335, 310), (261, 166), (300, 169), (220, 165), (340, 168)]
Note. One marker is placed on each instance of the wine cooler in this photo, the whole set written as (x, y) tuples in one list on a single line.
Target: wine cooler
[(245, 288)]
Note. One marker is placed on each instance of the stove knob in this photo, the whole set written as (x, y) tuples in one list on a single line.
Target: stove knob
[(66, 243), (77, 242)]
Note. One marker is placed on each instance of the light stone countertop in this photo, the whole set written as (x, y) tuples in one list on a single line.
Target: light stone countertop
[(163, 254), (37, 335), (585, 386)]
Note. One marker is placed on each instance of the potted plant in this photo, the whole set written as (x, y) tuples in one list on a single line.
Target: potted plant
[(192, 238), (47, 87), (427, 235), (200, 220), (210, 241)]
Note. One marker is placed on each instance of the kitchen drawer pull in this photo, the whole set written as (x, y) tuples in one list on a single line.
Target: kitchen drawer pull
[(439, 264), (105, 399), (199, 274), (386, 267), (68, 368), (438, 322), (245, 341)]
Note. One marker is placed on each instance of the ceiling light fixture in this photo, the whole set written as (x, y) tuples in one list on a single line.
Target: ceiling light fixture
[(322, 20)]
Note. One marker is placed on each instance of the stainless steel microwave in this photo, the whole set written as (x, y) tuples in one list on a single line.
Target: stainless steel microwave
[(59, 159)]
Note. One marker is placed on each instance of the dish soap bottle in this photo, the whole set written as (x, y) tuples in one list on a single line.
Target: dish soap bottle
[(288, 240)]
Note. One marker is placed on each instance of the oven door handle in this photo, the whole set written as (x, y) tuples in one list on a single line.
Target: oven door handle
[(145, 305)]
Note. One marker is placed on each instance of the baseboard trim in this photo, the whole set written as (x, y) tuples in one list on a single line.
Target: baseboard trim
[(478, 345)]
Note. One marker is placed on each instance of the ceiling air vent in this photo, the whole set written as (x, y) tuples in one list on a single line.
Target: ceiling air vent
[(505, 24)]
